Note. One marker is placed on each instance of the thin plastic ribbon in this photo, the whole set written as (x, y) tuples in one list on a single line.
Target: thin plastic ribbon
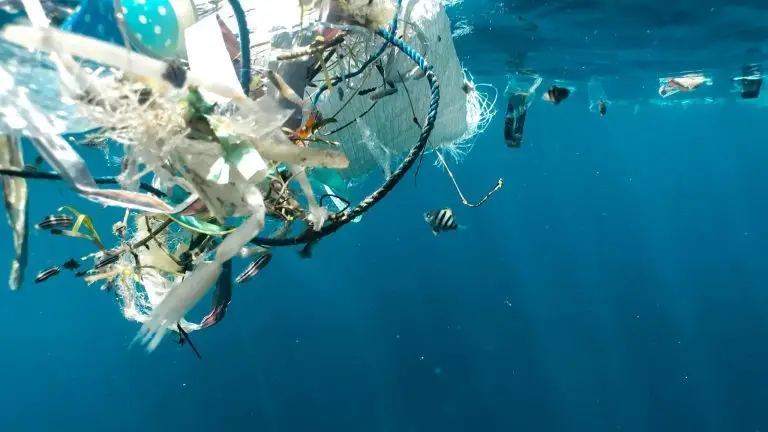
[(81, 220), (67, 162), (184, 296), (16, 199)]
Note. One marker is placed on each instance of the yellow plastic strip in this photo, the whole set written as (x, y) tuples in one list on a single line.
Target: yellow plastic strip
[(81, 220)]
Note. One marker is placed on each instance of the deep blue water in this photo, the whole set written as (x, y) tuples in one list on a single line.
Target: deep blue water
[(615, 283)]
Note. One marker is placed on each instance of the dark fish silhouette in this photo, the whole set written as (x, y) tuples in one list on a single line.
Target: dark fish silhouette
[(72, 264), (556, 94)]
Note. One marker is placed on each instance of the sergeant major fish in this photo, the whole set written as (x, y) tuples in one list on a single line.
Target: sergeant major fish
[(556, 94), (441, 220)]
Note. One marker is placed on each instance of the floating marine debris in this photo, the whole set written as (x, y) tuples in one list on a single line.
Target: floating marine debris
[(214, 168), (685, 83), (16, 199), (750, 81), (518, 103)]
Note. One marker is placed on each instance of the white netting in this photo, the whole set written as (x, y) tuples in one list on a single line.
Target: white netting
[(461, 116)]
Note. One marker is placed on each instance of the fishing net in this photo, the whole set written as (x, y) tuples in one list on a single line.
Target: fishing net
[(426, 27), (238, 126)]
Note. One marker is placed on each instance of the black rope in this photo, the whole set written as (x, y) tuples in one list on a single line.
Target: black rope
[(39, 175), (338, 198), (349, 123)]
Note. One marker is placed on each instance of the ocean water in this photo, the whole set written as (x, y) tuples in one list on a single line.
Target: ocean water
[(617, 282)]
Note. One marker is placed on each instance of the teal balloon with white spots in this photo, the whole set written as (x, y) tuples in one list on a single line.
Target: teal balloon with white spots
[(152, 26)]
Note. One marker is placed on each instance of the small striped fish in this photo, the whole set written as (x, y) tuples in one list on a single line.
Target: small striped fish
[(55, 221), (254, 268), (47, 274), (106, 260), (441, 220)]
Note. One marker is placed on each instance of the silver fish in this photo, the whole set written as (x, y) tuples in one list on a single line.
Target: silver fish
[(254, 268), (441, 220), (16, 198), (46, 274)]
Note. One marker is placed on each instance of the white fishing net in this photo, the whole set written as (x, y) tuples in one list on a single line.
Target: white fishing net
[(462, 114)]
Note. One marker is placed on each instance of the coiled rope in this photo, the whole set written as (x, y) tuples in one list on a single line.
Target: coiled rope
[(340, 219)]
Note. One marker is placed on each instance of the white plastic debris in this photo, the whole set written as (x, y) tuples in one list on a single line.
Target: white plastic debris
[(461, 116), (184, 296), (317, 214), (67, 162), (207, 56), (148, 69), (16, 200)]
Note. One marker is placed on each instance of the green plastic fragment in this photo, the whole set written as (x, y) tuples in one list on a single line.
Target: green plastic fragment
[(199, 225)]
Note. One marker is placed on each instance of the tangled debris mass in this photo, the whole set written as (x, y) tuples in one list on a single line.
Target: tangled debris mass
[(237, 133), (230, 141)]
